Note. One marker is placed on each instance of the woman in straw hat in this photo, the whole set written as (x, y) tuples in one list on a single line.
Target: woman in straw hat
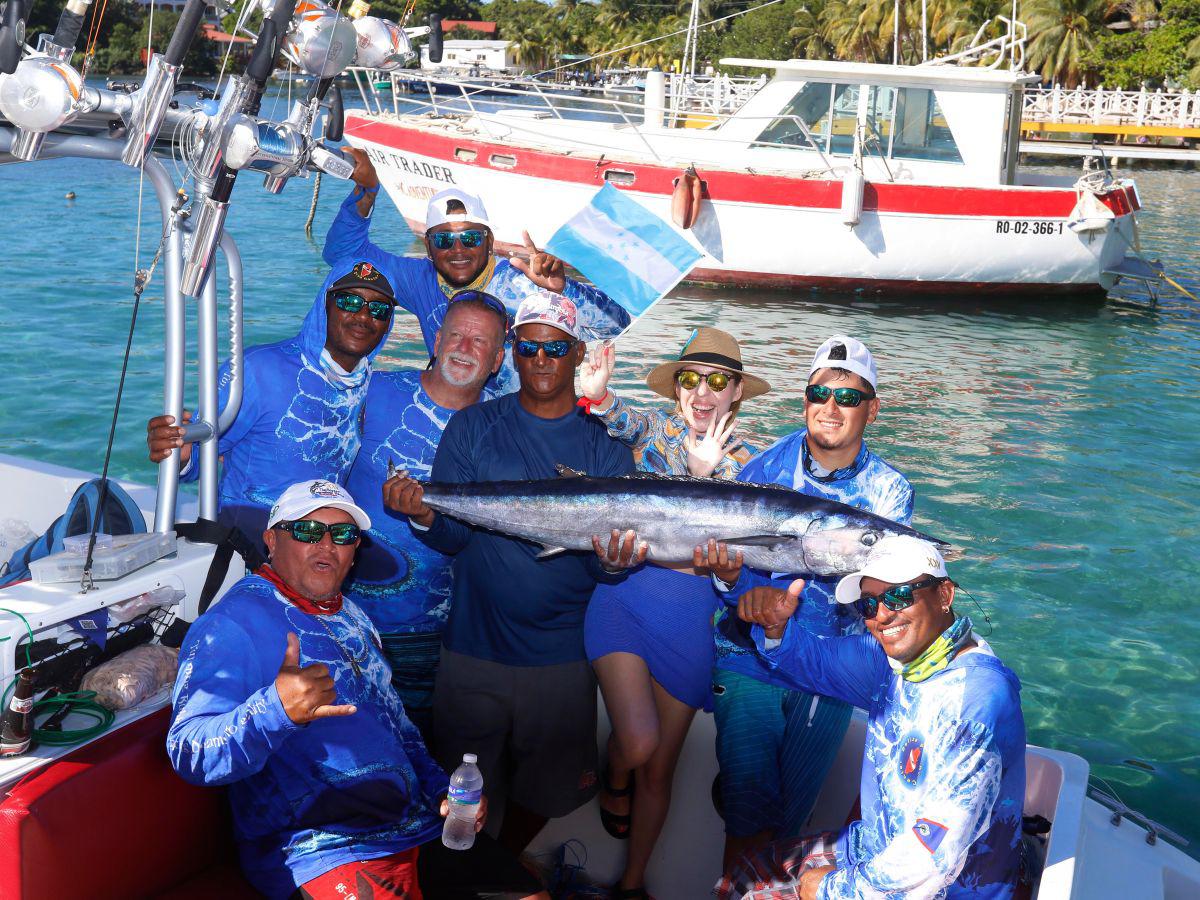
[(650, 637)]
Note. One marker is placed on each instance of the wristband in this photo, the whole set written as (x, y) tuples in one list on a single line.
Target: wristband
[(360, 191), (586, 403)]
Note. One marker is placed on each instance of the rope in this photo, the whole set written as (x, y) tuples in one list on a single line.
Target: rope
[(312, 208)]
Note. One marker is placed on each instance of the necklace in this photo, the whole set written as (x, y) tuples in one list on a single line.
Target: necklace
[(355, 661)]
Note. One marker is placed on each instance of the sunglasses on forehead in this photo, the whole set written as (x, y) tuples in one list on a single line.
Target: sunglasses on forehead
[(352, 303), (486, 299), (310, 531), (820, 394), (444, 240), (894, 598)]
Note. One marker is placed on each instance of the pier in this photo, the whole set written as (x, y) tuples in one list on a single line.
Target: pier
[(1139, 114)]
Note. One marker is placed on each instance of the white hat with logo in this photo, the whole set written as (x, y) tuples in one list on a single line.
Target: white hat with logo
[(308, 496), (896, 559), (841, 352), (438, 211)]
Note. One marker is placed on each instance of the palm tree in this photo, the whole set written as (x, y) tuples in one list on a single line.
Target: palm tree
[(1061, 34), (808, 34)]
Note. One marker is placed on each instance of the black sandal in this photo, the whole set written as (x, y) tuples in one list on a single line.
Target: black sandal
[(616, 824)]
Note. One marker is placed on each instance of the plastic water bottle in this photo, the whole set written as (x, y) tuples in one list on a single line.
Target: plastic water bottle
[(466, 790)]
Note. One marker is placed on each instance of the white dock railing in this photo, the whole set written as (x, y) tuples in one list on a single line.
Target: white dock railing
[(1168, 109)]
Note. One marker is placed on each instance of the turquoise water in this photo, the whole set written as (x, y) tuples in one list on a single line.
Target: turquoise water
[(1054, 442)]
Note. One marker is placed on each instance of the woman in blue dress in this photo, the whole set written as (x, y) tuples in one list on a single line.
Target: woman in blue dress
[(650, 637)]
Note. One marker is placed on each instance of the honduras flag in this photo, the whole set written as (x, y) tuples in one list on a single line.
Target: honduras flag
[(630, 254)]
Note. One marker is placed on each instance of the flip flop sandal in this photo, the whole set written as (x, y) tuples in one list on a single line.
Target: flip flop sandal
[(616, 824)]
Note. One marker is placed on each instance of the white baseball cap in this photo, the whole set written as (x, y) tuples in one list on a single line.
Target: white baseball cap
[(308, 496), (437, 213), (896, 559), (841, 352), (549, 308)]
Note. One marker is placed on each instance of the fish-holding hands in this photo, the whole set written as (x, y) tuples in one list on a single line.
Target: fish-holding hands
[(716, 559), (405, 495), (623, 551), (770, 607)]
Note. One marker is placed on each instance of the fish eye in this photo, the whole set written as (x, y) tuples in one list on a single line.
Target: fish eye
[(869, 538)]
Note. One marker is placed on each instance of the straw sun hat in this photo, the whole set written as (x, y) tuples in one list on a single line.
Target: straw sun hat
[(706, 347)]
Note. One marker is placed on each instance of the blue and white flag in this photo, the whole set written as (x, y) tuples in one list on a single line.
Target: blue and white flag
[(629, 253)]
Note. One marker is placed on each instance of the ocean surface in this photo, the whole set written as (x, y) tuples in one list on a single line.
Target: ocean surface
[(1055, 442)]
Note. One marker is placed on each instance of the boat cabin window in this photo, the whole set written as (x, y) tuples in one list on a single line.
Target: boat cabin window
[(828, 111), (907, 122), (910, 124)]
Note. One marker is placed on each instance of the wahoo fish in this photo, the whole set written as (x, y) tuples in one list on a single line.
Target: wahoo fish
[(776, 528)]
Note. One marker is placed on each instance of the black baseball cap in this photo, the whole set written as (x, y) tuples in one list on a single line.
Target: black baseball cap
[(364, 275)]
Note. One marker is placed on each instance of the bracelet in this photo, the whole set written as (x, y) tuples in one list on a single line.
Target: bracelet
[(586, 403), (361, 191)]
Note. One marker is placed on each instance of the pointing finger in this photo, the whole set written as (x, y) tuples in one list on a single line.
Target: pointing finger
[(325, 712), (529, 244)]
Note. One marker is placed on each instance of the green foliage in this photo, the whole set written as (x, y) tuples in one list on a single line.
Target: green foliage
[(1156, 58), (123, 54)]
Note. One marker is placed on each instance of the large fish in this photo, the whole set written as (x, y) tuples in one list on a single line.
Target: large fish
[(776, 528)]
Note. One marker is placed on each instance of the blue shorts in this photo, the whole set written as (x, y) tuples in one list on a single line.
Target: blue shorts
[(775, 748)]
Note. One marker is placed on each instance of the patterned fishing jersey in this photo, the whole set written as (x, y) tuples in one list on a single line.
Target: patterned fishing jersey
[(305, 799), (298, 418), (415, 281), (657, 440), (943, 773), (867, 483), (403, 585)]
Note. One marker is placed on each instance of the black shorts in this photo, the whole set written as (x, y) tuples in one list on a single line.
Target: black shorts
[(485, 869), (532, 727)]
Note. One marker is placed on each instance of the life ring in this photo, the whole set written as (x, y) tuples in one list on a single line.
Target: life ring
[(685, 199)]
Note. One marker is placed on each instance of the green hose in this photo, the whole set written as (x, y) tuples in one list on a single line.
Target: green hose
[(81, 702)]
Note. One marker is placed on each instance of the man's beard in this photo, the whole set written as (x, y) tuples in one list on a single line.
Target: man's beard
[(459, 380)]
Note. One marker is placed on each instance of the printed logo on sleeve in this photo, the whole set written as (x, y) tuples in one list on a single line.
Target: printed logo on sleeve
[(930, 833)]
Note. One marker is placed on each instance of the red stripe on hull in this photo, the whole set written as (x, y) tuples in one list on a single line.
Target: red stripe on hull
[(743, 187)]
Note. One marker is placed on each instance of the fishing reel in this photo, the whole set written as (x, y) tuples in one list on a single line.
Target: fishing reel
[(281, 150), (319, 40), (44, 93), (382, 45)]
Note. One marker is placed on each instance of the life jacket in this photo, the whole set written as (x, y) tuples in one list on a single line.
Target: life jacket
[(120, 515)]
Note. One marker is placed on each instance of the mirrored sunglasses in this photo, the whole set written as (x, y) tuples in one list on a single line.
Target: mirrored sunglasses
[(553, 349), (690, 380), (310, 531), (444, 240), (846, 396), (894, 598), (352, 303)]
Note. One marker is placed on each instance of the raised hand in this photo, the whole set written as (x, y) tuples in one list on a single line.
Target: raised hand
[(596, 371), (163, 436), (541, 268), (407, 496), (364, 176), (307, 694), (622, 552), (706, 452), (770, 607), (715, 558)]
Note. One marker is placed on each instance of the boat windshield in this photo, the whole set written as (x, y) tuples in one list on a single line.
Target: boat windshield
[(908, 122)]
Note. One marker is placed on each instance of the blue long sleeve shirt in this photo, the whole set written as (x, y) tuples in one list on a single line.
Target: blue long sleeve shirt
[(943, 772), (403, 585), (868, 483), (298, 419), (305, 799), (416, 284), (507, 606)]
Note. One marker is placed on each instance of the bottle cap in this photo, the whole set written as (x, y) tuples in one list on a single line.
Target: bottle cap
[(470, 758)]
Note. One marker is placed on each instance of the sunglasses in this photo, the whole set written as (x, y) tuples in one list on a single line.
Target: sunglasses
[(352, 303), (444, 240), (310, 531), (690, 380), (820, 394), (485, 298), (553, 349), (894, 598)]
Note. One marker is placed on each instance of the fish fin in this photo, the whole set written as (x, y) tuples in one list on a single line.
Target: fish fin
[(565, 471), (548, 552), (758, 540)]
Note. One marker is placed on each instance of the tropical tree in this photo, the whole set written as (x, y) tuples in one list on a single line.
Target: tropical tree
[(1062, 36)]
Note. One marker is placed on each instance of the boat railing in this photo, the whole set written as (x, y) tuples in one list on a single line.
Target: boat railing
[(1009, 46), (529, 98), (1143, 108)]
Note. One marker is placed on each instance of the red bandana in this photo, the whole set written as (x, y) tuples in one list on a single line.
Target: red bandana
[(312, 607)]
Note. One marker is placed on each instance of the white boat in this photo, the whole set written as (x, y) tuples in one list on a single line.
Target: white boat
[(831, 175)]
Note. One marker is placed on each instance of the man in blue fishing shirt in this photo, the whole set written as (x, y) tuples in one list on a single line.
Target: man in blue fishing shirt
[(514, 685), (943, 773), (775, 744), (301, 399), (459, 242), (403, 585), (284, 695)]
